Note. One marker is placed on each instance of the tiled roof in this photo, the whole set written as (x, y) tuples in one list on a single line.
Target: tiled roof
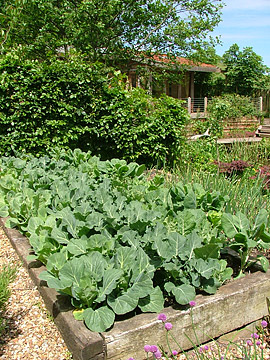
[(183, 61)]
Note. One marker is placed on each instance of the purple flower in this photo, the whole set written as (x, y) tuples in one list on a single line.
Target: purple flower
[(258, 342), (174, 352), (192, 303), (200, 350), (162, 317), (168, 326), (222, 357), (264, 323), (249, 342), (255, 336), (147, 348), (206, 347), (154, 348), (131, 359), (157, 354)]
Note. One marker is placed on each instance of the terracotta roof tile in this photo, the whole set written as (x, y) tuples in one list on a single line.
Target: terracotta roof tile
[(183, 61)]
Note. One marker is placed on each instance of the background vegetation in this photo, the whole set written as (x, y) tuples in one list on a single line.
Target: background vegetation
[(114, 32), (242, 72), (75, 104)]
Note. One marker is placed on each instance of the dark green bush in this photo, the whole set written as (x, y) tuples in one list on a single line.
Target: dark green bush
[(43, 105), (75, 104)]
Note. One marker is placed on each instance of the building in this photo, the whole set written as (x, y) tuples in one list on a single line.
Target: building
[(180, 90)]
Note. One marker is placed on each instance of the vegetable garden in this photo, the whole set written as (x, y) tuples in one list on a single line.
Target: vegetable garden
[(127, 216), (118, 241)]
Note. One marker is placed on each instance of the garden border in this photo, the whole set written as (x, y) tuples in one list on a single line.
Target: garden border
[(235, 305)]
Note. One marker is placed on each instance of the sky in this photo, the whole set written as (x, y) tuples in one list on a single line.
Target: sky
[(246, 23)]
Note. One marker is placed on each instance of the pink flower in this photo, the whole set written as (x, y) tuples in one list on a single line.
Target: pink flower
[(174, 352), (147, 348), (206, 347), (249, 342), (168, 326), (192, 303), (154, 348), (162, 317), (255, 336), (264, 323), (258, 342), (157, 354)]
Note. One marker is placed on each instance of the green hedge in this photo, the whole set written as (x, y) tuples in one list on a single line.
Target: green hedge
[(75, 104)]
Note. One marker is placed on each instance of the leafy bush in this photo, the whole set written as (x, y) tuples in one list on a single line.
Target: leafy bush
[(80, 105), (116, 242), (235, 167), (229, 107)]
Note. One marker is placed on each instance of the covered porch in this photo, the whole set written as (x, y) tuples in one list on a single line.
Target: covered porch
[(183, 89)]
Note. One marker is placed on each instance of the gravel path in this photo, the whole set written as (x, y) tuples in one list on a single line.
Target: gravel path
[(30, 334)]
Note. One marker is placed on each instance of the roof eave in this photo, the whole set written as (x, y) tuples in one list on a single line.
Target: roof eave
[(211, 69)]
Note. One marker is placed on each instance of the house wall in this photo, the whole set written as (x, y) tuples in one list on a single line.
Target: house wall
[(183, 90)]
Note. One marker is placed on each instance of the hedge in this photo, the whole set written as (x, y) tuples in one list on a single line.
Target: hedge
[(74, 104)]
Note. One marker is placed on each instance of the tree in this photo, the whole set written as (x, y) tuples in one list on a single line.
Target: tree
[(245, 72), (113, 31)]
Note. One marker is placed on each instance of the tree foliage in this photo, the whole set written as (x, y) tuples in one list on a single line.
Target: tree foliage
[(245, 72), (108, 29), (242, 72)]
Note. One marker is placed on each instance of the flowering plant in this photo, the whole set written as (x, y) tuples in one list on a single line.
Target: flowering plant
[(251, 349)]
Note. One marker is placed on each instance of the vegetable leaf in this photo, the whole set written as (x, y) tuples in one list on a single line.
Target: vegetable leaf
[(100, 319)]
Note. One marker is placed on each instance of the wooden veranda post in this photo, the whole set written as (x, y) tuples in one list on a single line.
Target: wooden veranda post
[(261, 103), (189, 105), (205, 104)]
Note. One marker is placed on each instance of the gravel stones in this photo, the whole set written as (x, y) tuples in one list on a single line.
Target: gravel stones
[(30, 331)]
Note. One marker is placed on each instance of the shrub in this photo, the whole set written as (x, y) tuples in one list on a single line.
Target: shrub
[(234, 167), (143, 128), (75, 104), (229, 107)]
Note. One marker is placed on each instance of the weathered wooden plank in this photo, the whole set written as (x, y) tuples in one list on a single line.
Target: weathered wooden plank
[(239, 140)]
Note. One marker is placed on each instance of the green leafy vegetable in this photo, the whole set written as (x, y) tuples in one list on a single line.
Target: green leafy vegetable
[(115, 241)]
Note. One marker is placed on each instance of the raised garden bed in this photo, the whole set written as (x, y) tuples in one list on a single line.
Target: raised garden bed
[(235, 304)]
